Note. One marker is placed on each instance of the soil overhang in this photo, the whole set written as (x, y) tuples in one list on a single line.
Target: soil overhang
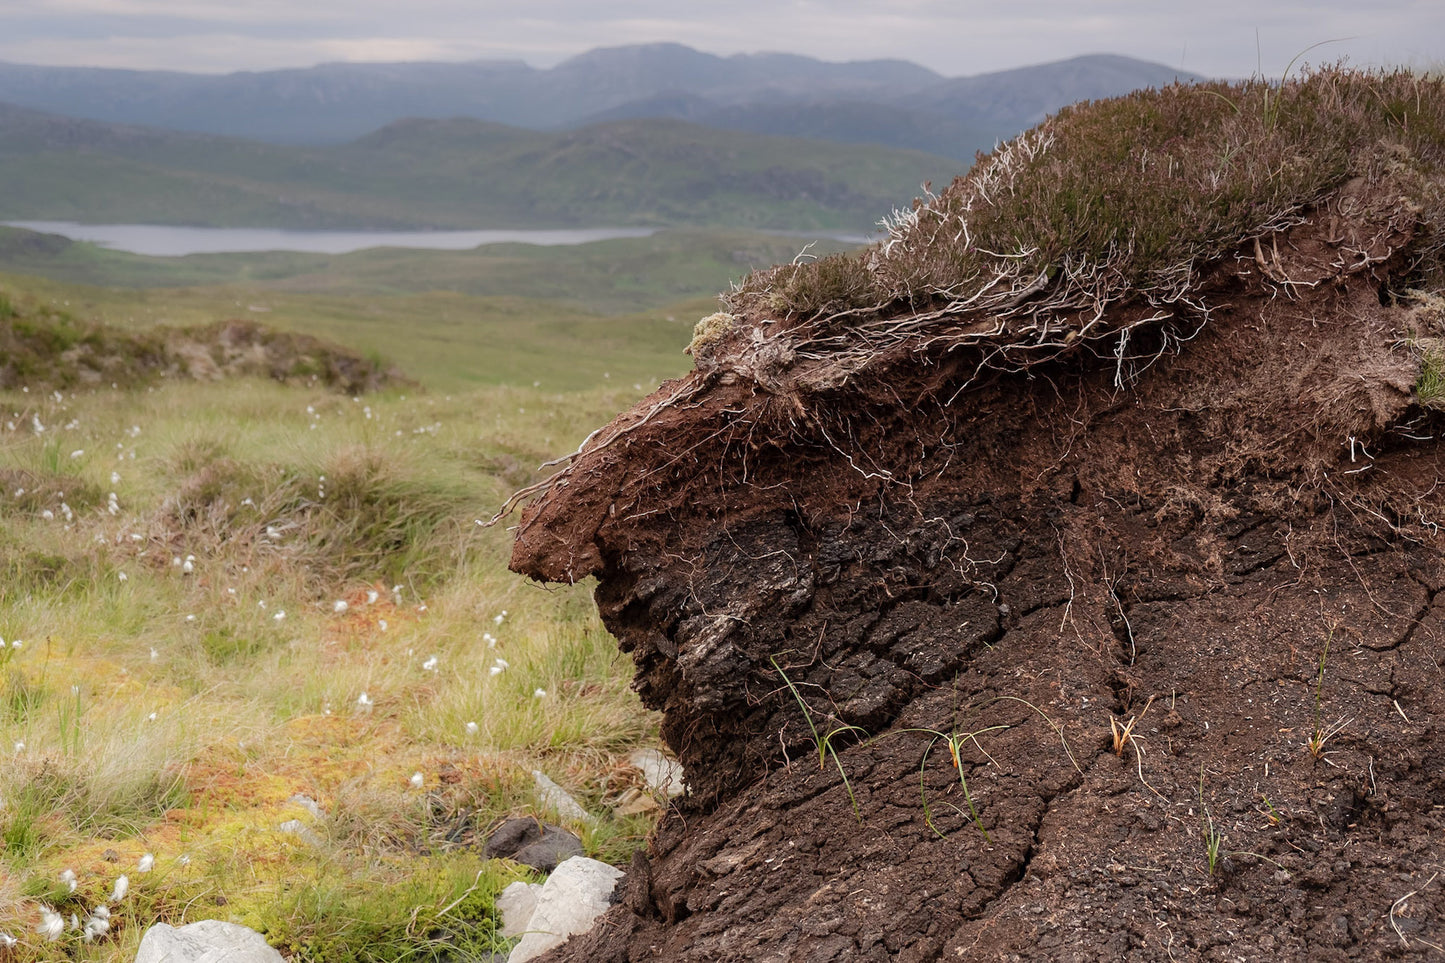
[(1020, 571)]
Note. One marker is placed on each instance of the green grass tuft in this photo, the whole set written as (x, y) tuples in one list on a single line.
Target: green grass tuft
[(438, 909)]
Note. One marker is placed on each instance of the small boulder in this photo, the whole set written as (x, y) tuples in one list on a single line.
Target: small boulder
[(577, 892), (556, 799), (536, 844), (209, 941), (517, 903), (662, 774)]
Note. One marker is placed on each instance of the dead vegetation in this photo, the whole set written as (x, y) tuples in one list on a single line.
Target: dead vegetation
[(1107, 218)]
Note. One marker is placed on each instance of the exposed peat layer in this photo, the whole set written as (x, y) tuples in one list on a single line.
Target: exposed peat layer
[(1093, 517)]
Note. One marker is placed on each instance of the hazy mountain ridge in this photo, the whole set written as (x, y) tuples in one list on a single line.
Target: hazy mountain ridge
[(334, 103), (457, 173)]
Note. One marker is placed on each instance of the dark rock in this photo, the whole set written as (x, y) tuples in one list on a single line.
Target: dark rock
[(539, 845)]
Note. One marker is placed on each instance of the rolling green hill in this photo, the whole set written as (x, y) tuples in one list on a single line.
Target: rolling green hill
[(453, 174), (603, 277)]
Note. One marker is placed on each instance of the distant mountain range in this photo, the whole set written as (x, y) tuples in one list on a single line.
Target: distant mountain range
[(457, 173), (888, 102)]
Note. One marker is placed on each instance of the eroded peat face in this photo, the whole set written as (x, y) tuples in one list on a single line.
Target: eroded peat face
[(970, 624)]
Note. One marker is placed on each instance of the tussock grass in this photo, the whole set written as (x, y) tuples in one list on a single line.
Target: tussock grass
[(45, 345), (360, 513)]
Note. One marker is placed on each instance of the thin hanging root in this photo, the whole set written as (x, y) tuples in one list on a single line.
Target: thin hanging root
[(684, 393)]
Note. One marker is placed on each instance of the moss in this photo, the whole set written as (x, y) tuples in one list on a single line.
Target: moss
[(710, 330)]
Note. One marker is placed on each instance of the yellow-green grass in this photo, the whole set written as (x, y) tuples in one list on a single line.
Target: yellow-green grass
[(450, 341), (156, 709)]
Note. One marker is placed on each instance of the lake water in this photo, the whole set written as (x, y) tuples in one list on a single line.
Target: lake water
[(159, 240)]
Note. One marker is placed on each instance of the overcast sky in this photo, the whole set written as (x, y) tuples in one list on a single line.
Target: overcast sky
[(953, 37)]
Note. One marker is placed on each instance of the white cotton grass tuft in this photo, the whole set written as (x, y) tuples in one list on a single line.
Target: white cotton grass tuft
[(147, 863), (417, 780), (122, 884), (51, 924), (339, 606), (372, 596), (67, 876), (539, 693), (364, 701), (430, 665), (472, 728), (280, 615), (490, 639), (98, 924), (6, 940)]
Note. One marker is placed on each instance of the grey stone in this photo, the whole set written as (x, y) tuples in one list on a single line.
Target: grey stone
[(306, 803), (209, 941), (579, 891), (537, 844), (516, 904), (299, 829), (662, 774), (556, 799)]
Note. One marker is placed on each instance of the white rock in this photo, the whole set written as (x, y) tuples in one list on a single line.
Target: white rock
[(662, 774), (297, 828), (306, 803), (557, 799), (578, 891), (516, 904), (209, 941)]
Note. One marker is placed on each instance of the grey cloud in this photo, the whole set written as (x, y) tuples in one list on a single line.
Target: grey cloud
[(954, 38)]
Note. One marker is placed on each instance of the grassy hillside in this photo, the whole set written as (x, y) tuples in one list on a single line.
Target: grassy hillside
[(448, 341), (615, 276), (573, 317), (459, 173)]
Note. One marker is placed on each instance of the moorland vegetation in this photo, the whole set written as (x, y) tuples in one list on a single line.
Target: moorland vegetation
[(224, 596)]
